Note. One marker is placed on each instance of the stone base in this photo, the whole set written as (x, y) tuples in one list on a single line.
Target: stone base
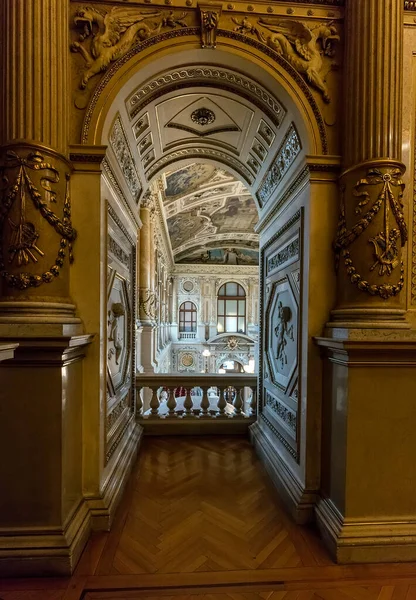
[(299, 501), (368, 474), (353, 541), (103, 508), (44, 520), (41, 552)]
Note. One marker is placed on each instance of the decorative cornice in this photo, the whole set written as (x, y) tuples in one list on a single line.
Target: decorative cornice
[(222, 157), (192, 32), (229, 80), (409, 4), (200, 269)]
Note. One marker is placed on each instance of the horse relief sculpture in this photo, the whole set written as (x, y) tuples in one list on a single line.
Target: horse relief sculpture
[(112, 33), (302, 46)]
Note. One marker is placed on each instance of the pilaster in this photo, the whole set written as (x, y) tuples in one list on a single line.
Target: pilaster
[(372, 229), (366, 510)]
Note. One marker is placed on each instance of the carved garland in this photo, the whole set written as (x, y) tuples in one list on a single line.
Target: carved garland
[(24, 238), (386, 251)]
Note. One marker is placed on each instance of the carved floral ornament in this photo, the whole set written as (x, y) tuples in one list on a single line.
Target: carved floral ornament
[(19, 238), (387, 242), (107, 35)]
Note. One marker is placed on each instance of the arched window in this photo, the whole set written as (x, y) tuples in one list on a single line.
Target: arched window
[(231, 308), (187, 317)]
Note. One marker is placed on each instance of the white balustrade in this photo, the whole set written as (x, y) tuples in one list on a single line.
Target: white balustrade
[(196, 396)]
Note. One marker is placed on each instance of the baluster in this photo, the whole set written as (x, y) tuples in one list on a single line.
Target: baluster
[(171, 403), (139, 402), (238, 402), (188, 404), (253, 403), (154, 403), (204, 404), (222, 403)]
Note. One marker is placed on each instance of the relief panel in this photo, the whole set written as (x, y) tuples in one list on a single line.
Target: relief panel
[(120, 332), (281, 334)]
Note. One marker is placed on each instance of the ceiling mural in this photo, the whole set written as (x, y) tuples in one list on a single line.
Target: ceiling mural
[(187, 179), (210, 216), (227, 256)]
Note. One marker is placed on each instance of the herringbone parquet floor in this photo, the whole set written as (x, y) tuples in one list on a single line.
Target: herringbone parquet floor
[(200, 521), (203, 505)]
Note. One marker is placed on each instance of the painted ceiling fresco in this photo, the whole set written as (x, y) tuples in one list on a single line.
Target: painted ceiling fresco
[(210, 216)]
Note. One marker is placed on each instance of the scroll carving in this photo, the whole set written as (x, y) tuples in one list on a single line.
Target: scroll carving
[(19, 238), (210, 16), (147, 304), (108, 35), (302, 46), (387, 241)]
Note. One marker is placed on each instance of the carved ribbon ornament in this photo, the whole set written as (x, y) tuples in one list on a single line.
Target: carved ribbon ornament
[(23, 243), (386, 250)]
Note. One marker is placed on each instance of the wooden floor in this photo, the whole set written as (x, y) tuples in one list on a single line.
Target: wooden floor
[(200, 521)]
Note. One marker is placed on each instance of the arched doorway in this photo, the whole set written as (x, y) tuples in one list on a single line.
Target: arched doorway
[(170, 106)]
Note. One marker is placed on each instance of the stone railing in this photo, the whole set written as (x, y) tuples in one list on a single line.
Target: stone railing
[(202, 396), (187, 335)]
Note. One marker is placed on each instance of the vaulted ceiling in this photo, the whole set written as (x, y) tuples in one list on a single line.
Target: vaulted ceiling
[(210, 216)]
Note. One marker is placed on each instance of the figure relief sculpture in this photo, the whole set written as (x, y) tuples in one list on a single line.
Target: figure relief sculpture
[(283, 332), (111, 34), (302, 46), (210, 16), (115, 334), (387, 242)]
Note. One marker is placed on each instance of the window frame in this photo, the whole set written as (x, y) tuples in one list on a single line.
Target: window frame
[(226, 298), (193, 311)]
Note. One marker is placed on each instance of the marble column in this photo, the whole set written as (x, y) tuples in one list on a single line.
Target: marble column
[(146, 278), (372, 229), (366, 511)]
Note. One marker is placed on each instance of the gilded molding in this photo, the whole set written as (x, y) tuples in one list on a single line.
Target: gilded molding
[(282, 62), (285, 157), (385, 199), (198, 153), (22, 194), (192, 32), (147, 304), (410, 5), (229, 80)]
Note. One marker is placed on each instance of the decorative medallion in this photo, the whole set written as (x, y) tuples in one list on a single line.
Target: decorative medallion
[(203, 116), (187, 360)]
